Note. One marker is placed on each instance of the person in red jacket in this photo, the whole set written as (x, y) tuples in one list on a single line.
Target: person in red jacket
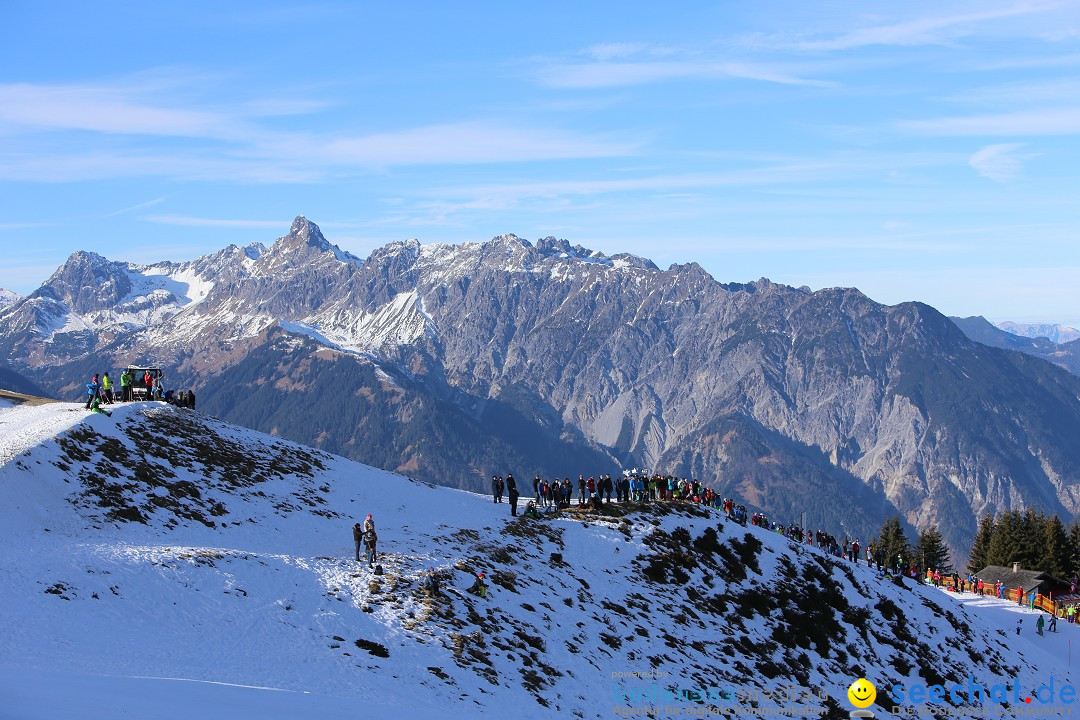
[(148, 381)]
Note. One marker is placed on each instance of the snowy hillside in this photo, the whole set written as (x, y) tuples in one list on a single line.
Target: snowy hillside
[(147, 554)]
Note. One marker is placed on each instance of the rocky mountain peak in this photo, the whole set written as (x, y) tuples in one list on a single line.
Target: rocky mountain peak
[(305, 237), (7, 297), (87, 282)]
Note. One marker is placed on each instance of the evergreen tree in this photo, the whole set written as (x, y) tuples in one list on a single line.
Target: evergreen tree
[(1032, 529), (980, 547), (894, 543), (1005, 544), (1074, 551), (930, 551), (1055, 548)]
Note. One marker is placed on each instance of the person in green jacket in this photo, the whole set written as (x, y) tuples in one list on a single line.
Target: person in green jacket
[(95, 406), (125, 386), (106, 389)]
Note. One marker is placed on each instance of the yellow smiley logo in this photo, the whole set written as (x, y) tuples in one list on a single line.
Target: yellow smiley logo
[(862, 693)]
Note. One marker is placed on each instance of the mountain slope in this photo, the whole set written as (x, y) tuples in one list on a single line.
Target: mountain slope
[(16, 382), (1064, 354), (219, 554), (451, 363)]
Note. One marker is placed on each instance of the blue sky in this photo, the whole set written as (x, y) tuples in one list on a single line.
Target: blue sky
[(915, 150)]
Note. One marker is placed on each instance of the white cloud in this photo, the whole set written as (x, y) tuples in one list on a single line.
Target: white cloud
[(466, 143), (999, 162), (606, 74), (214, 222), (1046, 121), (611, 51), (140, 206), (922, 31), (104, 109)]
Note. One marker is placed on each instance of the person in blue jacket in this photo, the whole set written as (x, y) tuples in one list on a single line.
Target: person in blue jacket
[(93, 390)]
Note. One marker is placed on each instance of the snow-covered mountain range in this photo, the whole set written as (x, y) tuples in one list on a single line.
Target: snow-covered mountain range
[(1054, 332), (450, 362), (163, 563)]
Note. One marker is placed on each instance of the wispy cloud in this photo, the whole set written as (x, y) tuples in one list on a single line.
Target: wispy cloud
[(1048, 121), (106, 109), (767, 171), (1029, 63), (188, 221), (605, 74), (140, 206), (930, 30), (466, 143), (999, 162), (60, 165), (100, 131)]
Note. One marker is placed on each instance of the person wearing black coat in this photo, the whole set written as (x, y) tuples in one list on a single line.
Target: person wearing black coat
[(512, 491), (358, 538)]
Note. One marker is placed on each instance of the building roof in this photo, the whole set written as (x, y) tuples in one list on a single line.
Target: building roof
[(1027, 579)]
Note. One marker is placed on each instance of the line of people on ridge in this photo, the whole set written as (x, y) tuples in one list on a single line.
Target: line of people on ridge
[(598, 490), (100, 392)]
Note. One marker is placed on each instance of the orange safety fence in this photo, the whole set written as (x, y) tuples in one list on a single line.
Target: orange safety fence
[(1042, 602)]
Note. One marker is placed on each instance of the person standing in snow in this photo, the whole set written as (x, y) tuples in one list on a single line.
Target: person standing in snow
[(495, 488), (580, 489), (148, 381), (106, 387), (370, 539), (358, 538), (1039, 624), (93, 390), (1052, 627), (512, 492), (125, 386)]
